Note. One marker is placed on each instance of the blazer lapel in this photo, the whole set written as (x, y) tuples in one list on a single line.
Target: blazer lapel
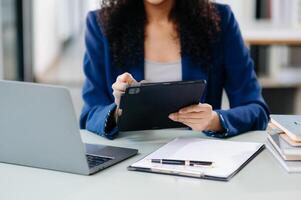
[(193, 71)]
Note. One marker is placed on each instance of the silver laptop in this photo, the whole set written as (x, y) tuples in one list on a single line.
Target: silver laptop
[(38, 128)]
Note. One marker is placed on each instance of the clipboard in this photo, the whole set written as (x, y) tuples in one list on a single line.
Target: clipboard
[(228, 158)]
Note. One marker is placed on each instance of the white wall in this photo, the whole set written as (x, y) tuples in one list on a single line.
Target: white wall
[(93, 4), (45, 34), (244, 10), (63, 18), (70, 19), (54, 21)]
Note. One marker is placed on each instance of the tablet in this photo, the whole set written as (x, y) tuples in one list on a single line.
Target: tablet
[(147, 106)]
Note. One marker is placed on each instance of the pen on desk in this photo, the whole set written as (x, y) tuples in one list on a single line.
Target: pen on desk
[(191, 163)]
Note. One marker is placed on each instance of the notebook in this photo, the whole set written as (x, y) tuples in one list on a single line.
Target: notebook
[(290, 124), (274, 130), (289, 166), (228, 158), (286, 151)]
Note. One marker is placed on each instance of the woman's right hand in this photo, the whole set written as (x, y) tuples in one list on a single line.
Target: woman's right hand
[(123, 81)]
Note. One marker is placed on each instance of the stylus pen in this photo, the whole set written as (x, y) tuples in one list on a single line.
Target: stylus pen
[(192, 163)]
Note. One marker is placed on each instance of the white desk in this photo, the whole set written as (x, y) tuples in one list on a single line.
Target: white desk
[(263, 178)]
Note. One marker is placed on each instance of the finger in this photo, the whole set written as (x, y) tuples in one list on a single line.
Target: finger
[(195, 127), (194, 121), (178, 118), (117, 101), (126, 78), (198, 121), (193, 115), (196, 108), (135, 84), (192, 126), (199, 115), (190, 121), (190, 109), (119, 112), (118, 94), (119, 86), (143, 81)]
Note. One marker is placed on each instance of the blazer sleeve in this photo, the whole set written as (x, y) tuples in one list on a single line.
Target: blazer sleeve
[(248, 110), (99, 106)]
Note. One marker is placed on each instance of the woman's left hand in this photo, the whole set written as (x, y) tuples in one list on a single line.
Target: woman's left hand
[(199, 117)]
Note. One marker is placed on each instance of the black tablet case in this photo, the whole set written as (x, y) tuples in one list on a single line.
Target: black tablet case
[(148, 106)]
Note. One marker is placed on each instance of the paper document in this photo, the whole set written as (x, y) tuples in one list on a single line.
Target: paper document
[(227, 157)]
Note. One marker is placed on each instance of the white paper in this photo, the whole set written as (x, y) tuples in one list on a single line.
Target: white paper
[(227, 156)]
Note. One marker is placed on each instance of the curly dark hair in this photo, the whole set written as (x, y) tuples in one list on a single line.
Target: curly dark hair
[(123, 22)]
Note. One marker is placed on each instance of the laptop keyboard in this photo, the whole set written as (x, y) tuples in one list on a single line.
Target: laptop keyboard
[(94, 161)]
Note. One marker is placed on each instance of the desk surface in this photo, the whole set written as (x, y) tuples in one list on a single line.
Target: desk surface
[(263, 178)]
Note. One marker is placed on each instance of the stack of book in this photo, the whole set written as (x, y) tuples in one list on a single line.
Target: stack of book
[(284, 141)]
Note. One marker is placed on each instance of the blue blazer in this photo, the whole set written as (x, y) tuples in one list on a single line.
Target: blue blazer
[(232, 69)]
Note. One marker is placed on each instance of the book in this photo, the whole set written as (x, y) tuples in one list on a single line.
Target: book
[(285, 150), (289, 166), (228, 158), (263, 9), (290, 124), (290, 141), (273, 130), (260, 55)]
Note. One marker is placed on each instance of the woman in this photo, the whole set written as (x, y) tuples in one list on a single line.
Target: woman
[(129, 41)]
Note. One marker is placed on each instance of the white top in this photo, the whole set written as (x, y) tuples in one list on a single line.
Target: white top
[(163, 72)]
